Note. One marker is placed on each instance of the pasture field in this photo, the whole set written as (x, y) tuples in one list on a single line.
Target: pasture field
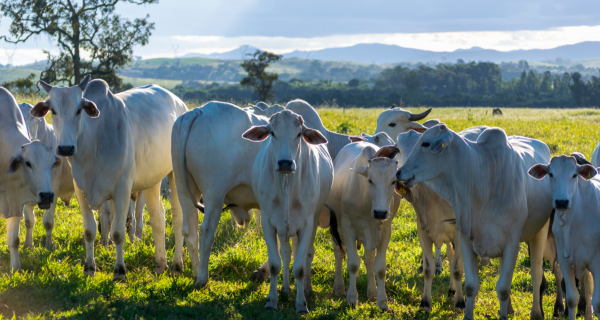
[(52, 285)]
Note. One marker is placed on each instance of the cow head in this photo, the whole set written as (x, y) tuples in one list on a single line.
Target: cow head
[(286, 129), (426, 160), (380, 139), (382, 183), (35, 164), (563, 172), (32, 123), (68, 106), (396, 121)]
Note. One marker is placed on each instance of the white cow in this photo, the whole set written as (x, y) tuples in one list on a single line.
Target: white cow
[(118, 147), (268, 112), (29, 175), (495, 203), (364, 204), (397, 120), (39, 129), (435, 225), (576, 199), (291, 178)]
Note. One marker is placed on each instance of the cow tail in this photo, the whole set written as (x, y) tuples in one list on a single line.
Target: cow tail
[(335, 234), (185, 123)]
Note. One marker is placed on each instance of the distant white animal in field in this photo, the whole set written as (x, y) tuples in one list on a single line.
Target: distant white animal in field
[(29, 174), (494, 212), (118, 144), (291, 179), (39, 129), (365, 203)]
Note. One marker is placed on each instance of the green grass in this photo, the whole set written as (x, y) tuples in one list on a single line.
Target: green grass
[(52, 284)]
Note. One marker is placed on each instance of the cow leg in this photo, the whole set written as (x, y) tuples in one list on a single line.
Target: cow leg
[(48, 221), (595, 269), (588, 288), (353, 261), (471, 274), (428, 270), (486, 261), (120, 207), (507, 266), (191, 220), (558, 278), (305, 240), (380, 267), (105, 218), (510, 309), (274, 265), (456, 272), (537, 245), (212, 214), (131, 221), (257, 219), (438, 261), (12, 240), (369, 258), (29, 224), (89, 232), (156, 211), (285, 251), (140, 203), (177, 218), (339, 288), (310, 255)]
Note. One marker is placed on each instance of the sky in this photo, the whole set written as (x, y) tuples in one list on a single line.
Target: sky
[(206, 26)]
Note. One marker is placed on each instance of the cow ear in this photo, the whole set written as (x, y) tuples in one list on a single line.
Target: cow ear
[(362, 170), (539, 171), (14, 164), (313, 136), (40, 110), (257, 133), (440, 144), (387, 152), (356, 139), (405, 192), (587, 171), (90, 108)]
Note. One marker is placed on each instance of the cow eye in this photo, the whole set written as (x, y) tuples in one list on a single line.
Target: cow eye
[(27, 163), (371, 182), (392, 124), (393, 182), (299, 134), (425, 144), (272, 134), (575, 175), (550, 175), (53, 112), (78, 112)]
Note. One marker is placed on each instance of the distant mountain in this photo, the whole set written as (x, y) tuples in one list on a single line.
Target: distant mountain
[(236, 54), (377, 53)]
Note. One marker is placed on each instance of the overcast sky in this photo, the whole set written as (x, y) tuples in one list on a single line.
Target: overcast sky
[(282, 26)]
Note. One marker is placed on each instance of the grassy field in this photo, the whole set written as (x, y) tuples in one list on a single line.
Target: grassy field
[(52, 284)]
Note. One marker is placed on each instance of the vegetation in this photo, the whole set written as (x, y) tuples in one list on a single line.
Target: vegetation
[(258, 78), (52, 284), (91, 27), (22, 85)]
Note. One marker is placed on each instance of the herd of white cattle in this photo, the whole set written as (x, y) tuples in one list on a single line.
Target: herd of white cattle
[(479, 192)]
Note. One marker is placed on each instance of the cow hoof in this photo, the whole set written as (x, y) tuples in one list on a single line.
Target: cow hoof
[(460, 304), (383, 306), (339, 291), (302, 312), (425, 306), (119, 273), (451, 293), (271, 304), (89, 270), (201, 284), (286, 290), (258, 276), (177, 269), (160, 269), (352, 305)]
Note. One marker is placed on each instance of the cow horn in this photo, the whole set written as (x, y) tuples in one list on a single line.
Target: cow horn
[(46, 86), (419, 116), (84, 82)]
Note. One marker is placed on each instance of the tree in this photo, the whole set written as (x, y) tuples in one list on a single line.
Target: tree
[(258, 77), (90, 27), (21, 85), (354, 82)]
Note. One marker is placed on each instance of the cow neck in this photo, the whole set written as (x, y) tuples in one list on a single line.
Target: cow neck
[(335, 142), (96, 130)]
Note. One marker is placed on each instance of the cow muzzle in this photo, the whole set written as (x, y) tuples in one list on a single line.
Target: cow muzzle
[(380, 214), (65, 151), (409, 183), (286, 166), (561, 204), (45, 200)]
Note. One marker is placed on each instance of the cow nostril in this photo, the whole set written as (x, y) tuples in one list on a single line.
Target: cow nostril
[(47, 196), (563, 203), (66, 150), (377, 214), (284, 163)]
